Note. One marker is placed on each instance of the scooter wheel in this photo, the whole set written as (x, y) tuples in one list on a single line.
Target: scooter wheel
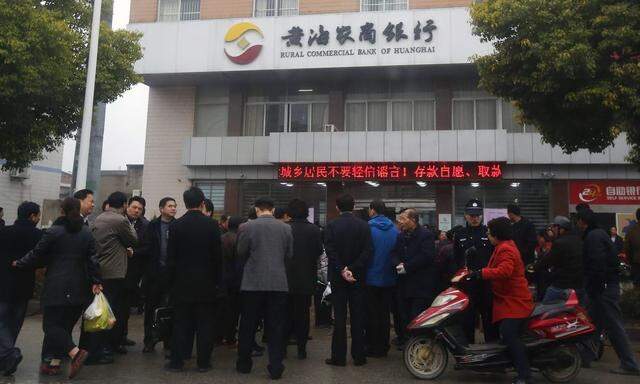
[(425, 358), (567, 366)]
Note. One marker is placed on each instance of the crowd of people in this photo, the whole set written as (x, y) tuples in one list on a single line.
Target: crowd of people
[(222, 281)]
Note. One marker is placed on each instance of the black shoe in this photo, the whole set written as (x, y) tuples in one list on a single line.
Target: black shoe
[(624, 372), (275, 374), (359, 362), (173, 368), (121, 350), (12, 363), (128, 342), (335, 363), (99, 360), (204, 369), (302, 354)]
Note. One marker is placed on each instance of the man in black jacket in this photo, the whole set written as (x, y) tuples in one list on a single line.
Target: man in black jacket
[(603, 289), (472, 248), (348, 246), (414, 260), (135, 267), (524, 234), (16, 285), (302, 272), (194, 270), (565, 262), (154, 254)]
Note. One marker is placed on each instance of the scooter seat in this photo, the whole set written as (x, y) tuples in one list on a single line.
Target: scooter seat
[(486, 347), (544, 308)]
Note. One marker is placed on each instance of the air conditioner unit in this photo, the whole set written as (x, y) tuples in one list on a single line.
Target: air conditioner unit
[(17, 174), (136, 192)]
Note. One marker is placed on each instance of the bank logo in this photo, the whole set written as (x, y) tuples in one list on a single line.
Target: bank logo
[(243, 43), (590, 193)]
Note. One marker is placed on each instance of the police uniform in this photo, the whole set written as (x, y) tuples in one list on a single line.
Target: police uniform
[(480, 294)]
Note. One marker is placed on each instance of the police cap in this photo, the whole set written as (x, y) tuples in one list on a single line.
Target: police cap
[(473, 207)]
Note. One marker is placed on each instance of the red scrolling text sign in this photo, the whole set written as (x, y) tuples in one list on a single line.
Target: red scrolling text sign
[(390, 171), (605, 192)]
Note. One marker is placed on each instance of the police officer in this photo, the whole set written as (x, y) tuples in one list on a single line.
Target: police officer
[(473, 249)]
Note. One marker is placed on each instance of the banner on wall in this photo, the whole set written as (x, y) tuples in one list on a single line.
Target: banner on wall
[(623, 192)]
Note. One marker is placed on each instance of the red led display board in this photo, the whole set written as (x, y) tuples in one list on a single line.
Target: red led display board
[(390, 171)]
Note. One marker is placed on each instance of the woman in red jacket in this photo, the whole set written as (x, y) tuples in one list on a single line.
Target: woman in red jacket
[(512, 303)]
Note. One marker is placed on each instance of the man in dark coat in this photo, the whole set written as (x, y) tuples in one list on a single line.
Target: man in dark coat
[(603, 288), (154, 253), (565, 262), (16, 285), (349, 248), (135, 267), (302, 273), (473, 249), (414, 258), (194, 270), (524, 234)]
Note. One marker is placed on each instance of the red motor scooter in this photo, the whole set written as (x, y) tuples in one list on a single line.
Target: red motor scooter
[(551, 338)]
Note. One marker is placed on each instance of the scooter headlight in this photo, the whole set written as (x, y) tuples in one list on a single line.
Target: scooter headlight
[(435, 319), (442, 300)]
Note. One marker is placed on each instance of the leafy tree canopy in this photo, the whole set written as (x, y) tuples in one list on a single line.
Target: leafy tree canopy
[(43, 55), (571, 66)]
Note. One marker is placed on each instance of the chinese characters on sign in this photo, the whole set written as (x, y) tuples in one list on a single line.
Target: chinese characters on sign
[(320, 37), (605, 192), (390, 171)]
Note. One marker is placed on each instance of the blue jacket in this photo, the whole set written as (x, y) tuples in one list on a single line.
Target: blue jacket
[(380, 270)]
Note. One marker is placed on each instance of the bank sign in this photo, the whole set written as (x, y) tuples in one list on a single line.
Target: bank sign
[(605, 192), (357, 39)]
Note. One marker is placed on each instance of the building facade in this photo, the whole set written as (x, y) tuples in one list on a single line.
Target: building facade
[(310, 98), (39, 183)]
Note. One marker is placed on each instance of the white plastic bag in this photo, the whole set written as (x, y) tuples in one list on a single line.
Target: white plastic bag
[(327, 292), (99, 316)]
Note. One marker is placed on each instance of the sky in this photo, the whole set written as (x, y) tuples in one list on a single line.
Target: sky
[(126, 118)]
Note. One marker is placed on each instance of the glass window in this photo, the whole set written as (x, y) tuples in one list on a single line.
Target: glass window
[(356, 116), (174, 10), (486, 114), (377, 116), (299, 118), (275, 8), (424, 112), (382, 5), (213, 191), (274, 118), (211, 120), (401, 116), (319, 116), (510, 121), (463, 114), (254, 120)]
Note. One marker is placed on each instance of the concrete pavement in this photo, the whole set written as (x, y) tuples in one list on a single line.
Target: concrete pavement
[(136, 367)]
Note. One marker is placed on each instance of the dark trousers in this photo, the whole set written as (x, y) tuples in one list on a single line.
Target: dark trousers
[(186, 318), (395, 313), (604, 309), (635, 274), (154, 298), (57, 324), (378, 323), (409, 308), (231, 315), (322, 311), (352, 297), (510, 330), (105, 342), (11, 319), (480, 304), (255, 305), (298, 317)]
